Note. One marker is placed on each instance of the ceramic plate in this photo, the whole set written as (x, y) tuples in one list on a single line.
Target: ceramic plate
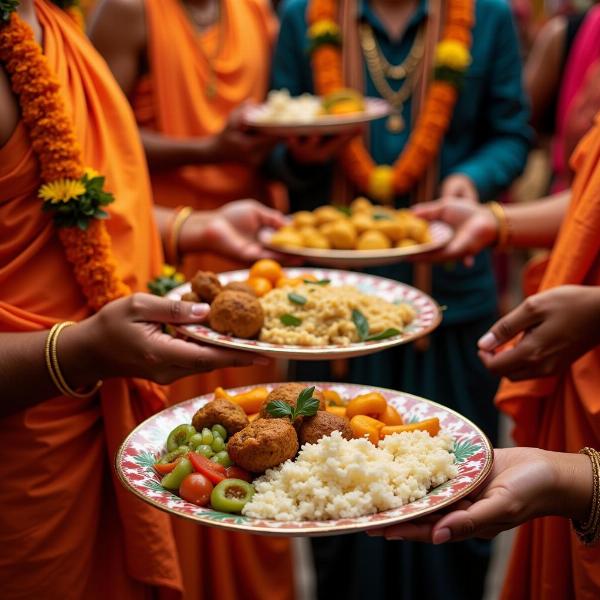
[(375, 108), (441, 234), (472, 449), (428, 317)]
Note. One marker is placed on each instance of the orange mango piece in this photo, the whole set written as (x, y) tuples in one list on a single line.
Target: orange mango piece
[(431, 426), (332, 397), (391, 416), (340, 411), (363, 425), (372, 404), (252, 400), (253, 417), (221, 394)]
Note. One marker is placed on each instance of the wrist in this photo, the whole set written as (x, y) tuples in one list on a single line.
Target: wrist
[(193, 233), (574, 485), (79, 361)]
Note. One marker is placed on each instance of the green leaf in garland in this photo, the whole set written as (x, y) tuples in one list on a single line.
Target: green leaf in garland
[(290, 320), (7, 7), (296, 298), (361, 324)]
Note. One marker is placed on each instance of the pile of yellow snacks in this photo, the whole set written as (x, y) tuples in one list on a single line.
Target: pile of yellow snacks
[(361, 226)]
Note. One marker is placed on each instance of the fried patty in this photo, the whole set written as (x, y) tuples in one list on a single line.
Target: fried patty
[(264, 444), (206, 286), (221, 412), (288, 393), (321, 425), (236, 313)]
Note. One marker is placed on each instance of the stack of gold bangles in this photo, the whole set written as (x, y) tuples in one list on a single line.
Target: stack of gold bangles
[(589, 531), (54, 368)]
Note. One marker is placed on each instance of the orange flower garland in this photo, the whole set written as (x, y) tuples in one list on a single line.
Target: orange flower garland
[(383, 182), (54, 143)]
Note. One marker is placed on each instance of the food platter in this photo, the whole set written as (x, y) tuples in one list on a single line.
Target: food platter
[(473, 454), (375, 108), (428, 317), (441, 233)]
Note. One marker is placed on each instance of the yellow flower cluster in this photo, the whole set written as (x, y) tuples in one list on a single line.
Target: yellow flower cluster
[(322, 28), (61, 190), (171, 273), (452, 54)]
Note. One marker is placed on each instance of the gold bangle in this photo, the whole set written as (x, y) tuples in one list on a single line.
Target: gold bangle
[(53, 366), (182, 214), (503, 231), (589, 530)]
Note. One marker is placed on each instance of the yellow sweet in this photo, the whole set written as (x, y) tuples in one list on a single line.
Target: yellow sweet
[(361, 204), (406, 243), (342, 235), (362, 221), (290, 239), (373, 240), (313, 238), (417, 229), (394, 229), (327, 214), (303, 218)]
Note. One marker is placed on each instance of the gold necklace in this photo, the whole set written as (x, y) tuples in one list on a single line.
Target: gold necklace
[(379, 68), (210, 88)]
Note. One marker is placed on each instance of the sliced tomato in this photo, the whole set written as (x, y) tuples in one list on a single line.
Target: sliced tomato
[(214, 472), (234, 472), (164, 468)]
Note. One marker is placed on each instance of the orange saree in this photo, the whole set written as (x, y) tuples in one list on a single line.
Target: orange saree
[(67, 528), (562, 413)]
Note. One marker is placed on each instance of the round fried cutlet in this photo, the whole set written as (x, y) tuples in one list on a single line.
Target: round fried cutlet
[(323, 424), (237, 314), (206, 286), (221, 412)]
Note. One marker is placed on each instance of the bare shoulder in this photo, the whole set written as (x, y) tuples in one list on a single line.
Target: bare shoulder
[(120, 21), (9, 111)]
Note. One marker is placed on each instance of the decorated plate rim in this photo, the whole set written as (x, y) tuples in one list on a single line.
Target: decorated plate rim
[(280, 529)]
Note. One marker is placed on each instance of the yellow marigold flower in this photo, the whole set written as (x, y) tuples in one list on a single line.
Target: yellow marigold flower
[(91, 173), (452, 54), (179, 277), (61, 190), (381, 183), (168, 271), (323, 27)]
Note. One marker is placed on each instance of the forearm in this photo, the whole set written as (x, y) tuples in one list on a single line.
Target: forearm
[(163, 152), (574, 485), (536, 224), (24, 377)]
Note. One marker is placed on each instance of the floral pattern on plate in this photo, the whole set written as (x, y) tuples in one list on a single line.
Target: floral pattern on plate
[(428, 317), (473, 451)]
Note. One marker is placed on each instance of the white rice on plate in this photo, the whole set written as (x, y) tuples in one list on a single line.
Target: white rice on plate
[(338, 478)]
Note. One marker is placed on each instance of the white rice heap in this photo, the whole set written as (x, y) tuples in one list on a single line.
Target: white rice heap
[(338, 478)]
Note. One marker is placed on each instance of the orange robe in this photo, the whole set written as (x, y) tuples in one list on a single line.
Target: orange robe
[(68, 529), (173, 100), (562, 413)]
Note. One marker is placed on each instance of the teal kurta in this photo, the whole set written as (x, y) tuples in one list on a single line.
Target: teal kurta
[(488, 141)]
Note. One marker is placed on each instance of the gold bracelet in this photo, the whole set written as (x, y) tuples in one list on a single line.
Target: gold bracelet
[(182, 214), (53, 367), (589, 531), (503, 230)]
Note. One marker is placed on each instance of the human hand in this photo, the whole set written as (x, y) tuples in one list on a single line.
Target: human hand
[(238, 143), (459, 186), (558, 325), (249, 216), (125, 339), (475, 227), (525, 483), (318, 149)]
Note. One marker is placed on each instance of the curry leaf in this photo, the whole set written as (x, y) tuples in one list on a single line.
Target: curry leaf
[(296, 298), (361, 324), (388, 333), (290, 320)]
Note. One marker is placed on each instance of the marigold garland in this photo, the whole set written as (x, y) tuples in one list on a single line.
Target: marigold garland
[(383, 182), (54, 142)]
